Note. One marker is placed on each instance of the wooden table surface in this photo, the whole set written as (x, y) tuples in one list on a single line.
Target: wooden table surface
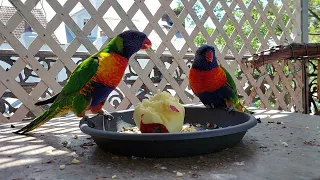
[(262, 154)]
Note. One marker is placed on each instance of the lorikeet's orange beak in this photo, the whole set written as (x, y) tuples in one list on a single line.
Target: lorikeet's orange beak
[(146, 44), (209, 56)]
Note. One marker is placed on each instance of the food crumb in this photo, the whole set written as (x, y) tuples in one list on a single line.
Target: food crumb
[(307, 127), (65, 143), (62, 167), (258, 120), (75, 161), (114, 176), (239, 163), (188, 128), (75, 155), (285, 144), (75, 136), (48, 152), (162, 167), (179, 174), (268, 116)]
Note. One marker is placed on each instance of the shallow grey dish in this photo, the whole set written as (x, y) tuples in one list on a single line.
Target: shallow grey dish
[(233, 128)]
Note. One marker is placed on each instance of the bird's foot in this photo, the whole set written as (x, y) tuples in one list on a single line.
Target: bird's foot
[(106, 114), (230, 109), (88, 121), (210, 105)]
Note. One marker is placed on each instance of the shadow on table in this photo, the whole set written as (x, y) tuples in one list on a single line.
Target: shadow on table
[(53, 134)]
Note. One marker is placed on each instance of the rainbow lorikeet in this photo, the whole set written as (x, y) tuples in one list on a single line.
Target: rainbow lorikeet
[(212, 83), (93, 80)]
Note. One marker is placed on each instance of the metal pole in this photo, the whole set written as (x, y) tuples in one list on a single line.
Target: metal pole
[(305, 70)]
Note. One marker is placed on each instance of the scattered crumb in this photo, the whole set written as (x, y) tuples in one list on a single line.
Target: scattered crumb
[(317, 127), (62, 167), (311, 143), (114, 176), (133, 157), (74, 154), (84, 145), (285, 144), (194, 167), (194, 175), (48, 152), (258, 120), (268, 116), (208, 125), (162, 167), (65, 143), (185, 128), (188, 128), (239, 163), (75, 136), (68, 146), (75, 161), (130, 130), (307, 127), (114, 157), (179, 174), (12, 126)]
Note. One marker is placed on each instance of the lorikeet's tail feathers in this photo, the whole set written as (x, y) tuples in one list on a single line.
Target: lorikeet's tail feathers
[(47, 101), (38, 121), (242, 108)]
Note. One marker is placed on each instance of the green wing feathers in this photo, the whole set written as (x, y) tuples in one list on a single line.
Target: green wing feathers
[(230, 80), (63, 102), (235, 99), (81, 75)]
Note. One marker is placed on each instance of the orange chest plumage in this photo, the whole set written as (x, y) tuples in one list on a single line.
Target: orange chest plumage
[(207, 81), (111, 69)]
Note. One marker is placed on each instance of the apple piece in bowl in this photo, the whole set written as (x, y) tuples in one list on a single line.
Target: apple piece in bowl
[(161, 113)]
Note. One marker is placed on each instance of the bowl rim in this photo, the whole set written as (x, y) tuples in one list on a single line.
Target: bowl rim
[(170, 136)]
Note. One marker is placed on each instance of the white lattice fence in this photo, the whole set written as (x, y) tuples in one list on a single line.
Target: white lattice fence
[(238, 28)]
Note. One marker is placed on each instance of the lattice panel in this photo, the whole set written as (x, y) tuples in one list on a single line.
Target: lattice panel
[(236, 28)]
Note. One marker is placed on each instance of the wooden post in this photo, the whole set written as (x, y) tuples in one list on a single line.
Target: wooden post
[(305, 71)]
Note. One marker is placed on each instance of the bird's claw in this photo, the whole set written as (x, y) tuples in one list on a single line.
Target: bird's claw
[(88, 121), (210, 105), (230, 109), (106, 114)]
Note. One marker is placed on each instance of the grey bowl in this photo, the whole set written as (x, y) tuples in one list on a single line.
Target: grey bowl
[(233, 128)]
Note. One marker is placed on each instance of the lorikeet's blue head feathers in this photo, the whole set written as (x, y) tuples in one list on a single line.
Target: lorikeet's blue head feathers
[(205, 58), (132, 42)]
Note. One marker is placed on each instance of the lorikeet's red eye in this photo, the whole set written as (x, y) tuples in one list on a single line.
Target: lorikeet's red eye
[(209, 56)]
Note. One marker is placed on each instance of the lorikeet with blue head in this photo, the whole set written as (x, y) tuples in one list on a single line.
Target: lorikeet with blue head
[(93, 80), (212, 83)]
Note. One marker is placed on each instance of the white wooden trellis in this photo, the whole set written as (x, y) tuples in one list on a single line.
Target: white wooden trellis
[(26, 55)]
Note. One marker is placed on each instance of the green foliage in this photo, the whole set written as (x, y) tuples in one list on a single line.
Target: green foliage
[(246, 28), (314, 21), (229, 28)]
